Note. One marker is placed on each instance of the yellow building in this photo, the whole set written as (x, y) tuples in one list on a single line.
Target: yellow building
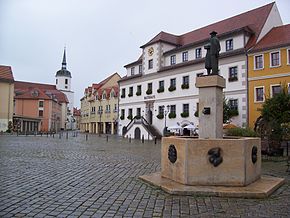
[(6, 98), (99, 107), (268, 69)]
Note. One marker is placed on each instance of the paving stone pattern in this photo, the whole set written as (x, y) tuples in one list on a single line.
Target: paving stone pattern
[(52, 177)]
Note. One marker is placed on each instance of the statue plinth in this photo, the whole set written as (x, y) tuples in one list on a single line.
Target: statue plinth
[(210, 106)]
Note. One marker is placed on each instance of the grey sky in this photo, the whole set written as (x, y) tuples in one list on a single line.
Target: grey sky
[(100, 36)]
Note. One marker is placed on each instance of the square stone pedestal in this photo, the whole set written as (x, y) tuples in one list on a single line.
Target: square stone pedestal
[(229, 167)]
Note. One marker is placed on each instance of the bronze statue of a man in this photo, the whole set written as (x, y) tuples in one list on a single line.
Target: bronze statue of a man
[(212, 54)]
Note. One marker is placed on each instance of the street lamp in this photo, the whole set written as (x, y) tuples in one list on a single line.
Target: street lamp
[(165, 115)]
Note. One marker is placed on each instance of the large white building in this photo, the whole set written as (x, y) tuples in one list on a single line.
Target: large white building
[(63, 84), (160, 85)]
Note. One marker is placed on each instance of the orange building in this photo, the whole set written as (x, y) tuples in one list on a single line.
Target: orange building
[(268, 68), (38, 107)]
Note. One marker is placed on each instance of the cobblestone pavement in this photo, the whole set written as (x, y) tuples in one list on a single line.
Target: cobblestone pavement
[(52, 177)]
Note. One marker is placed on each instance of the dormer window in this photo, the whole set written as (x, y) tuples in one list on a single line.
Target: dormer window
[(104, 96), (229, 44), (132, 71), (172, 59), (112, 94), (150, 64)]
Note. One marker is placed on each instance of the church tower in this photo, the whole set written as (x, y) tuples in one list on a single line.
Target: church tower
[(63, 83)]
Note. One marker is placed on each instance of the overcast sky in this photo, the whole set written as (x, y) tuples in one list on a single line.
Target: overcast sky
[(100, 36)]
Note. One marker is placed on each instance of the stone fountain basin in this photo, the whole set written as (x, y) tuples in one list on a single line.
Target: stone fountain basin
[(240, 165)]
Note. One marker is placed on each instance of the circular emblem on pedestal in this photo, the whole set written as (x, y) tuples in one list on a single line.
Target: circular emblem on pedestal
[(254, 154), (172, 153)]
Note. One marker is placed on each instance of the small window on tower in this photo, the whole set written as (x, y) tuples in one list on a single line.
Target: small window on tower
[(56, 81), (65, 87), (66, 81)]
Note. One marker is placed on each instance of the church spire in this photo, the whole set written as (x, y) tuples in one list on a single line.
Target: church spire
[(64, 61)]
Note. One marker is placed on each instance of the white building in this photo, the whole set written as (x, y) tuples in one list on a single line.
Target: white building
[(163, 78), (63, 83)]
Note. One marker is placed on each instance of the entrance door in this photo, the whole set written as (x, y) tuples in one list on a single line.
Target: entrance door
[(137, 133), (124, 130), (149, 113)]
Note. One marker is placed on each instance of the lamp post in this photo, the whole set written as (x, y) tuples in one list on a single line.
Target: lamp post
[(165, 115)]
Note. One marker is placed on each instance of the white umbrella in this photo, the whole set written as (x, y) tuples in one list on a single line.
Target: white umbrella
[(190, 127)]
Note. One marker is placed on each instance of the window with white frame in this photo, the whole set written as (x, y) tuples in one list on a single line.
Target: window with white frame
[(229, 44), (104, 96), (185, 108), (288, 56), (259, 62), (112, 94), (275, 59), (173, 109), (161, 110), (150, 64), (173, 82), (161, 84), (233, 103), (259, 94), (130, 112), (132, 71), (198, 53), (138, 112), (122, 113), (172, 59), (275, 89), (185, 80), (185, 56), (233, 74), (140, 68)]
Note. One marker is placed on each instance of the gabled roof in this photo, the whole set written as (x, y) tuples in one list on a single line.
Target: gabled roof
[(28, 90), (164, 37), (253, 19), (6, 74), (98, 86), (275, 38)]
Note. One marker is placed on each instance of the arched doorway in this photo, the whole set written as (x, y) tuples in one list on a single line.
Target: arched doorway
[(124, 130), (137, 133)]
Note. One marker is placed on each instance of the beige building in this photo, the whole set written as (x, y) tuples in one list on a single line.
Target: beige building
[(99, 107), (6, 97)]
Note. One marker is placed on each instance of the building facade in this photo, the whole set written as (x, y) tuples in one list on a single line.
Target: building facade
[(99, 107), (269, 69), (63, 83), (160, 87), (38, 107), (6, 97)]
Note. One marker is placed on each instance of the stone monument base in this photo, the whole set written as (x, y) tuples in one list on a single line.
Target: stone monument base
[(262, 188), (228, 167)]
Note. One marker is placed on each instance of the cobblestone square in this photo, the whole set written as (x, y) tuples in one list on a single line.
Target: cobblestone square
[(52, 177)]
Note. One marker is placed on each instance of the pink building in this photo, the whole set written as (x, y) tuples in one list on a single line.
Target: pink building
[(38, 107)]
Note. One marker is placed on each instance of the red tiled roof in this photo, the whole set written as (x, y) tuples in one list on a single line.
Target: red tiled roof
[(76, 112), (28, 90), (6, 74), (276, 37), (99, 85), (253, 19)]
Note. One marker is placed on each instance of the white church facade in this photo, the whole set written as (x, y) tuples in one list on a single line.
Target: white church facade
[(160, 87)]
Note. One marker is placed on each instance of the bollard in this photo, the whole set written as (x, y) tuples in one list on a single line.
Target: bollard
[(60, 135), (47, 134), (155, 140), (130, 139), (107, 138), (86, 137), (66, 135), (142, 138), (52, 135), (41, 134)]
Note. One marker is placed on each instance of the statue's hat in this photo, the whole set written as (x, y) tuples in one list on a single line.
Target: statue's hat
[(213, 33)]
